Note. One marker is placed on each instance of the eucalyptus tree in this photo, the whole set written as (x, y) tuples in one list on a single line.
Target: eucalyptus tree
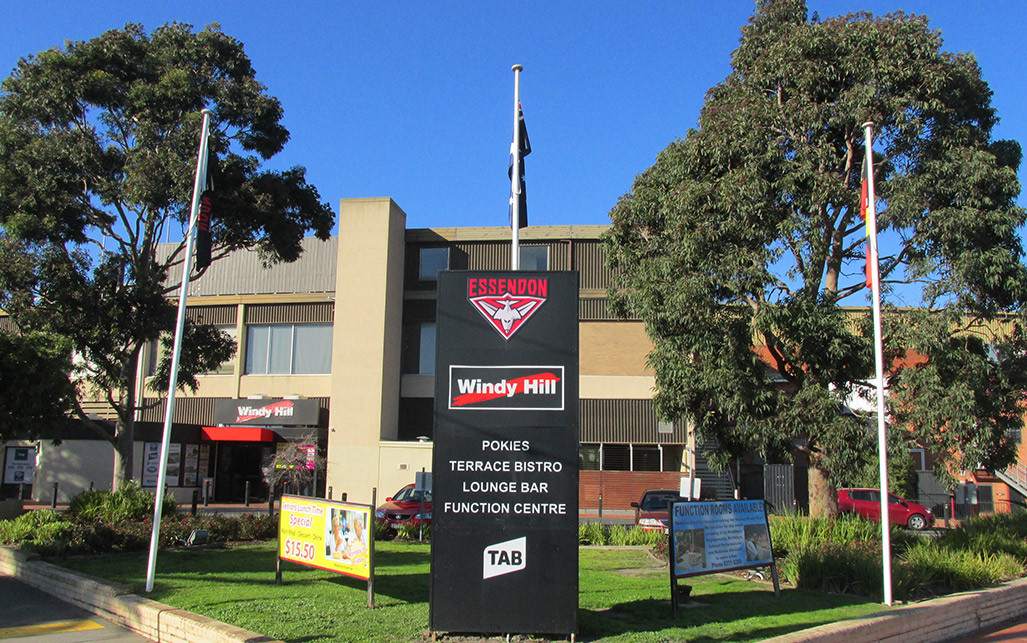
[(742, 248), (98, 145)]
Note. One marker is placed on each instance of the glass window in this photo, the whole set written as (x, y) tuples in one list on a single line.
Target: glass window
[(289, 349), (646, 457), (426, 350), (534, 257), (312, 349), (226, 368), (588, 457), (432, 261)]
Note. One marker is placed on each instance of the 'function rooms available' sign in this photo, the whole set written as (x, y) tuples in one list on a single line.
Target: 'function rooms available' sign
[(505, 467)]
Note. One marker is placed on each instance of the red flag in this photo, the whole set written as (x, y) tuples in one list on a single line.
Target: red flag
[(864, 213)]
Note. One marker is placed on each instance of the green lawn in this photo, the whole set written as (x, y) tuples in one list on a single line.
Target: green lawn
[(623, 597)]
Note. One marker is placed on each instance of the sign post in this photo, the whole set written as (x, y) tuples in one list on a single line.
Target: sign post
[(710, 537), (505, 461)]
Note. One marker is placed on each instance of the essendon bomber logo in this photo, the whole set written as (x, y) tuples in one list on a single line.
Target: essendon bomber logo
[(507, 303)]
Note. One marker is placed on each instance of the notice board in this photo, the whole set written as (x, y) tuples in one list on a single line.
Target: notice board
[(505, 460)]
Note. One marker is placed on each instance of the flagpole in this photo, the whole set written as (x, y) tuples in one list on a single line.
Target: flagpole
[(198, 184), (515, 174), (882, 442)]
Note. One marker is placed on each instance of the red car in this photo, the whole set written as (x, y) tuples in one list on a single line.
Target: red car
[(651, 512), (867, 503), (405, 507)]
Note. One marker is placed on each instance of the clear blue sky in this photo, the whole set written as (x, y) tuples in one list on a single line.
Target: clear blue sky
[(414, 100)]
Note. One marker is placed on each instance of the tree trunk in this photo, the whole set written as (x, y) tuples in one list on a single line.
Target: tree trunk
[(124, 430), (823, 497), (124, 444)]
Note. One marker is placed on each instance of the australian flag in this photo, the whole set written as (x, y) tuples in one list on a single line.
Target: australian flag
[(523, 150)]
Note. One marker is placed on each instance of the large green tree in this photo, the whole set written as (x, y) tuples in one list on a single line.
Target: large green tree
[(34, 388), (742, 248), (98, 146)]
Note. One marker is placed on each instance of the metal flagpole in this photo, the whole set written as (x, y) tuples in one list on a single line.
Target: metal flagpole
[(882, 442), (515, 174), (201, 177)]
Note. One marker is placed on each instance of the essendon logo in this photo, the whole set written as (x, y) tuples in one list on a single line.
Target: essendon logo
[(507, 303)]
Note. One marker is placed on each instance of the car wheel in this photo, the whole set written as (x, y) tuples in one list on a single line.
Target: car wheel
[(916, 522)]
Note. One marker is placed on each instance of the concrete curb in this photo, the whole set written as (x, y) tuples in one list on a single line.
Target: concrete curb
[(933, 621), (116, 603)]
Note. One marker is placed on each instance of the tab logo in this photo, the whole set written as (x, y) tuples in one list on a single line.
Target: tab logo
[(504, 558), (506, 304)]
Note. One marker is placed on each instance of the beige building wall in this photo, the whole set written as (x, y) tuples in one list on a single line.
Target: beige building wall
[(613, 348), (366, 343), (398, 464)]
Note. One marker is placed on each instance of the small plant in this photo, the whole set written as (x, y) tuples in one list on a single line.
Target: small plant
[(591, 533), (130, 502), (412, 531), (617, 535)]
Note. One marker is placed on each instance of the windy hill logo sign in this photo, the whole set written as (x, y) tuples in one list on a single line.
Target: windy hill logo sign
[(506, 304), (505, 457)]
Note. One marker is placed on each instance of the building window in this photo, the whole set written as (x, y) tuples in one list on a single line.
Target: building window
[(534, 257), (919, 459), (588, 457), (426, 350), (432, 261), (228, 367), (289, 349)]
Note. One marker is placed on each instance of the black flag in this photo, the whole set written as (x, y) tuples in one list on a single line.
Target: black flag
[(522, 151), (203, 219)]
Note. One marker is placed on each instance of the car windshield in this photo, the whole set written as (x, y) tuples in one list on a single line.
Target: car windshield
[(658, 501), (409, 494)]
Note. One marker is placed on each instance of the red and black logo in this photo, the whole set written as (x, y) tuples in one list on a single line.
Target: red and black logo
[(507, 303)]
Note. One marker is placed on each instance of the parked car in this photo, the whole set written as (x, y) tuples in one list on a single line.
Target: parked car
[(651, 512), (867, 503), (405, 507)]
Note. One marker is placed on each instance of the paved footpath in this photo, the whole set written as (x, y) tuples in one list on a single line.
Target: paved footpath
[(28, 615), (1008, 633)]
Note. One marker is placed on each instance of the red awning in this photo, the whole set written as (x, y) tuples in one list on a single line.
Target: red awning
[(238, 434)]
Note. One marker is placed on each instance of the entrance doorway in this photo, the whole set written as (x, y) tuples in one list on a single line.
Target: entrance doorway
[(238, 463)]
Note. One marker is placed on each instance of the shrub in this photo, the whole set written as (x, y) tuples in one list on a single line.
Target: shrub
[(130, 502), (26, 525), (846, 568), (934, 568), (591, 533), (645, 537), (617, 535), (412, 531)]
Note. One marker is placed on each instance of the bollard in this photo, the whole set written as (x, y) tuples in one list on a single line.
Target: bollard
[(196, 499), (206, 492), (600, 506), (271, 502), (344, 496), (329, 493), (90, 485), (53, 503), (246, 496)]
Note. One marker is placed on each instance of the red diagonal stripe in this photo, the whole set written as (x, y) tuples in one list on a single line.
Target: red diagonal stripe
[(474, 398)]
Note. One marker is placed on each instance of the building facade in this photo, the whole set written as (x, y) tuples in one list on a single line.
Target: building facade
[(337, 350)]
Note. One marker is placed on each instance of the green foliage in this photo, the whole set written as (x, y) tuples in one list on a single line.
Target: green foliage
[(36, 392), (997, 533), (930, 568), (382, 531), (24, 526), (844, 568), (597, 533), (790, 534), (129, 502), (591, 533), (98, 145), (747, 232), (412, 531)]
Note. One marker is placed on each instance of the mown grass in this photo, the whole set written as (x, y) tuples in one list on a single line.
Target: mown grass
[(623, 597)]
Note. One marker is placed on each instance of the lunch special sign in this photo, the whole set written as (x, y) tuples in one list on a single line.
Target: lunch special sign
[(505, 457), (335, 536)]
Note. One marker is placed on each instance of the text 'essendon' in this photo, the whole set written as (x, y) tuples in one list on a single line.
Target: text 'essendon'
[(506, 387), (532, 287)]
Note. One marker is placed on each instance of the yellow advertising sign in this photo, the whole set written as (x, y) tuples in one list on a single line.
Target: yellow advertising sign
[(328, 535)]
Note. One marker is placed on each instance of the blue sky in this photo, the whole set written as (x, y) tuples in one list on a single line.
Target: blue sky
[(414, 100)]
